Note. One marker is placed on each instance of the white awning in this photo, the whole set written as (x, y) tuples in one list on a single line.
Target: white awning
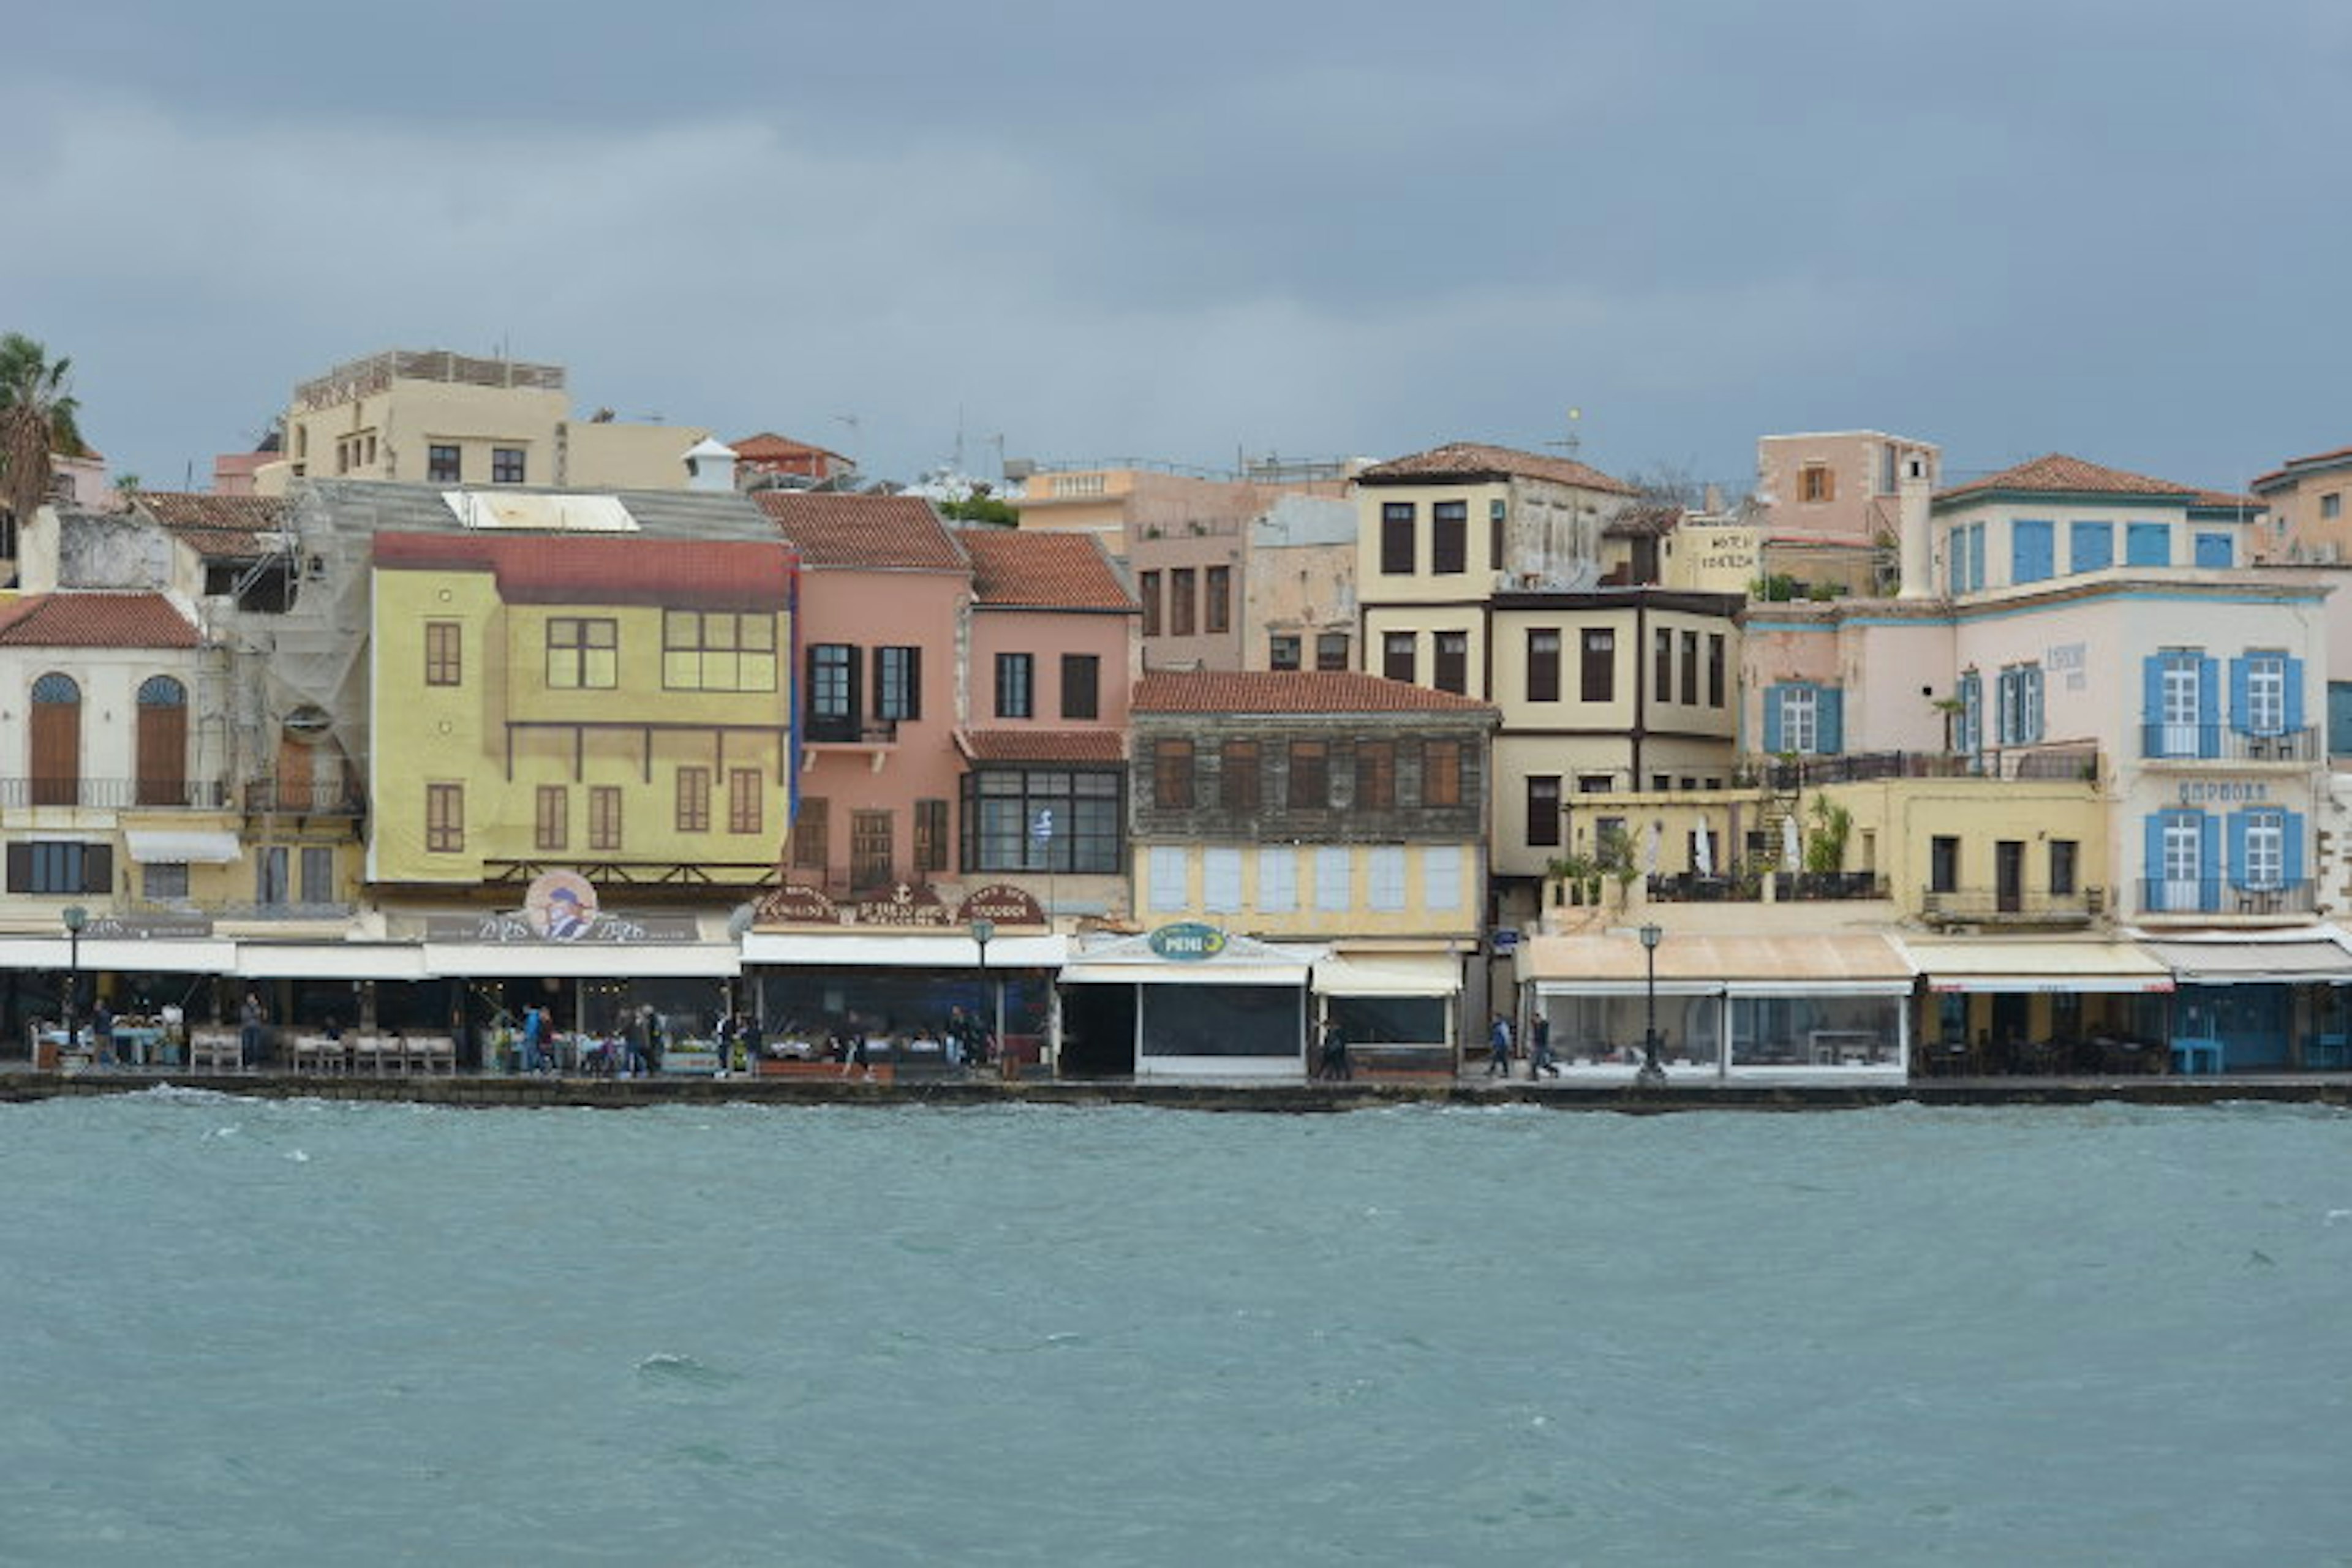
[(1179, 973), (930, 949), (157, 955), (154, 845), (583, 960), (1390, 974), (1689, 964), (2052, 966), (2311, 961), (332, 961)]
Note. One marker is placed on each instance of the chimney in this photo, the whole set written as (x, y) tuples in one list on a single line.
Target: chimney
[(1913, 486), (711, 467)]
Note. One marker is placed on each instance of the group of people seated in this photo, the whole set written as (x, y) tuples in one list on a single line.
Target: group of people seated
[(961, 1040)]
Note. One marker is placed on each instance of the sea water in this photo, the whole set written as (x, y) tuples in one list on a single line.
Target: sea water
[(252, 1331)]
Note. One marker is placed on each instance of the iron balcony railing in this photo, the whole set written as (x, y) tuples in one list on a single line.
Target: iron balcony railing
[(311, 798), (116, 795), (2222, 743), (2219, 896), (2067, 762), (1992, 905)]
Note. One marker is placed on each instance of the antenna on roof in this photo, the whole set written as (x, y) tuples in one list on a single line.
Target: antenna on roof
[(1572, 442)]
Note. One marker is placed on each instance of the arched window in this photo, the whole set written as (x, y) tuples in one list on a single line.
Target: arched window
[(163, 742), (56, 740)]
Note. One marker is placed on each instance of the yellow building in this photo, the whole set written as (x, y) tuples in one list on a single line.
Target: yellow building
[(440, 418), (617, 706)]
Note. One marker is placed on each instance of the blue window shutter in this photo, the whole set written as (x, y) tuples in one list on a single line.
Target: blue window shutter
[(1829, 730), (2151, 687), (2294, 695), (2208, 707), (2032, 550), (2240, 821), (2092, 546), (2240, 692), (2291, 857), (2155, 837), (1976, 555), (2214, 550), (2209, 861), (1773, 696)]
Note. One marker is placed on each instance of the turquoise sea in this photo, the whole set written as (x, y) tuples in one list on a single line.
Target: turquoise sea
[(247, 1331)]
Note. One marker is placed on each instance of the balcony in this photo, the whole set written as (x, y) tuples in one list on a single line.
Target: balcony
[(2215, 896), (1746, 885), (316, 797), (2010, 907), (835, 731), (2069, 760), (2219, 742), (116, 795), (1826, 887)]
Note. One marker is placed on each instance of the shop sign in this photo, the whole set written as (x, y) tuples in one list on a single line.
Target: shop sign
[(146, 927), (907, 906), (562, 907), (1003, 903), (795, 904), (2222, 792), (1188, 942)]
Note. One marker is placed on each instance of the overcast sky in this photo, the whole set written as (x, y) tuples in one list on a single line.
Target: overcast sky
[(1186, 232)]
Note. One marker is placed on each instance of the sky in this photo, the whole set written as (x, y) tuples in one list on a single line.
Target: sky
[(1083, 232)]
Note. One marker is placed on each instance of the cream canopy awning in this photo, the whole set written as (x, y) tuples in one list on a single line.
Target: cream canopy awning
[(1390, 974), (2042, 965), (1614, 964), (2306, 959)]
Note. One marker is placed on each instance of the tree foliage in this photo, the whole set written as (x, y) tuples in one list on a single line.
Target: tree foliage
[(37, 413)]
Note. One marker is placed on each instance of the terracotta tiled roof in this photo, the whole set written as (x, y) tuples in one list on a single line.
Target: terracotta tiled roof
[(2292, 467), (1045, 745), (879, 531), (2060, 473), (767, 447), (95, 620), (1290, 691), (2227, 499), (218, 527), (1474, 460), (539, 569), (1044, 571)]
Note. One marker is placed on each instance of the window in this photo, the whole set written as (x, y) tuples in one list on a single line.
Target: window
[(1311, 778), (1690, 669), (1220, 880), (1001, 806), (1179, 601), (506, 464), (1595, 783), (1015, 675), (1334, 876), (1598, 678), (1543, 665), (743, 801), (1146, 587), (1081, 674), (1396, 541), (1375, 775), (1237, 776), (2017, 715), (583, 654), (2032, 550), (1964, 558), (811, 839), (898, 683), (1170, 870), (2090, 546), (1715, 692), (445, 818), (1816, 482), (2066, 857), (1441, 772), (1543, 810), (2262, 696), (2331, 505), (1970, 740), (1803, 718), (1662, 666), (1399, 658), (550, 826), (1385, 877), (1942, 864), (1172, 774), (694, 800), (718, 650), (1441, 877), (604, 816), (1449, 538), (444, 644), (317, 874), (1452, 663), (1282, 653), (441, 465), (1217, 599), (1331, 650), (2148, 544), (270, 887), (832, 691), (2182, 704), (1496, 513), (2261, 856), (163, 881), (1278, 880), (60, 866), (931, 836), (2178, 860)]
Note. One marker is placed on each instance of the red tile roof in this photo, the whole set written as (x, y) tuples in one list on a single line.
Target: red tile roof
[(1471, 460), (537, 568), (218, 527), (1045, 745), (2293, 466), (1041, 571), (767, 447), (95, 620), (885, 532), (1290, 691), (2061, 473)]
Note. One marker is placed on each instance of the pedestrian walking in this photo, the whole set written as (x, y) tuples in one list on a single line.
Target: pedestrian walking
[(1335, 1063), (1498, 1044), (1540, 1062), (248, 1033)]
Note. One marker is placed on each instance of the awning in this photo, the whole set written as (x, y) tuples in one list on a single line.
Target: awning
[(583, 960), (2058, 964), (157, 955), (1615, 963), (1390, 974), (1178, 973), (154, 846), (930, 949), (2315, 960), (332, 961)]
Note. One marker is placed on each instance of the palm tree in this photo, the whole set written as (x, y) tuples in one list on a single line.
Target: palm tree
[(37, 419)]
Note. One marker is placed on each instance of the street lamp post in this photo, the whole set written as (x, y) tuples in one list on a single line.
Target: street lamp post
[(981, 930), (1651, 1075), (76, 917)]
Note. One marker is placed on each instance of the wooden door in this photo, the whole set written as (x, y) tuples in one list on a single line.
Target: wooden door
[(163, 742), (56, 740), (869, 851)]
